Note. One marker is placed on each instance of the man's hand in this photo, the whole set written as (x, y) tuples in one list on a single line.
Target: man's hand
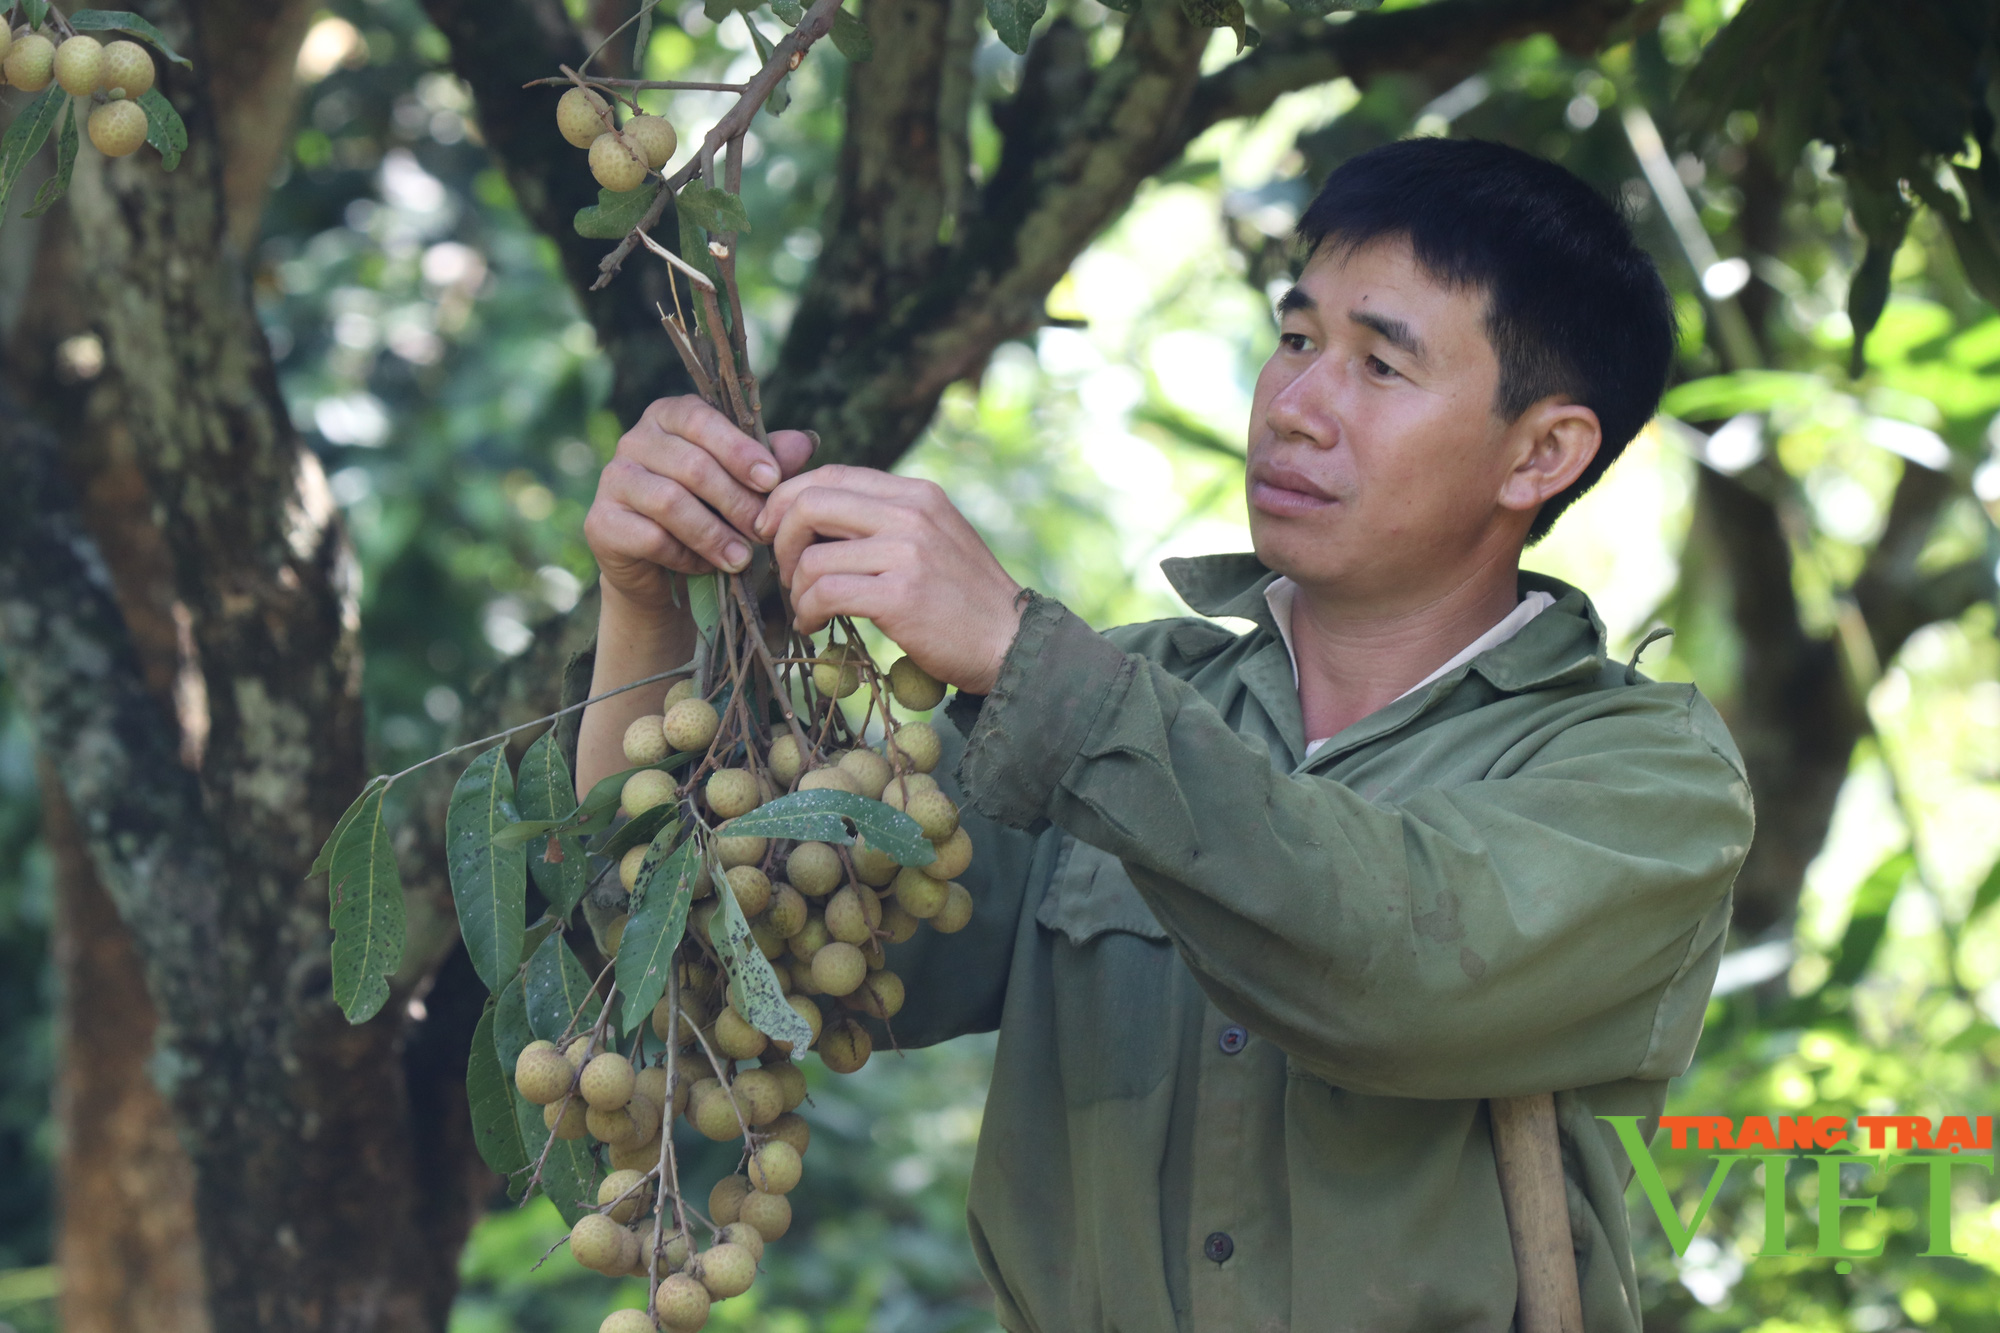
[(856, 542), (682, 494)]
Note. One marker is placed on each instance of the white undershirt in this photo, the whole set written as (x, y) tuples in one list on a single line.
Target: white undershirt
[(1281, 592)]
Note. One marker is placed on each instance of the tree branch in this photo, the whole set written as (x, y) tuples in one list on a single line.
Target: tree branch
[(1895, 596)]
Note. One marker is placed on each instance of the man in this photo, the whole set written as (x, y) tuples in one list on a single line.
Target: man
[(1263, 918)]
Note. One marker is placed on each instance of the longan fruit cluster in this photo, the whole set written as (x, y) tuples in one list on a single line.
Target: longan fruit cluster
[(621, 156), (118, 72)]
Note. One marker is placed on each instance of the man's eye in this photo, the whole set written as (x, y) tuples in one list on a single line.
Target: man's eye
[(1381, 367), (1294, 342)]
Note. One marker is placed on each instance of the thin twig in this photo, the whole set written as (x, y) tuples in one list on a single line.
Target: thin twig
[(703, 385), (646, 85), (645, 10), (693, 274)]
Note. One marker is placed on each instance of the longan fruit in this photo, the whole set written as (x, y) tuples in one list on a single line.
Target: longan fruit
[(541, 1074), (814, 869), (846, 1047), (918, 894), (617, 163), (628, 866), (674, 1254), (793, 1128), (742, 1233), (811, 938), (694, 1014), (726, 1270), (715, 1115), (852, 915), (607, 1081), (956, 913), (613, 935), (690, 725), (651, 1083), (954, 855), (759, 1095), (681, 689), (654, 138), (626, 1321), (731, 792), (78, 63), (581, 115), (917, 744), (872, 867), (771, 1214), (614, 1126), (838, 968), (751, 887), (31, 63), (6, 43), (897, 923), (775, 1168), (784, 760), (645, 741), (733, 852), (645, 1113), (915, 688), (736, 1038), (809, 1011), (880, 996), (835, 674), (127, 69), (787, 912), (936, 814), (681, 1303), (832, 777), (768, 941), (598, 1243), (902, 788), (578, 1052), (635, 1156), (566, 1120), (726, 1199), (869, 770), (117, 129), (619, 1184), (643, 790)]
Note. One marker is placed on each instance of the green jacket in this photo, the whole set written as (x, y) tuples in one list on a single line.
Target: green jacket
[(1249, 1004)]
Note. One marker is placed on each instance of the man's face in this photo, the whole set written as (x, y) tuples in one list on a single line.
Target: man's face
[(1375, 456)]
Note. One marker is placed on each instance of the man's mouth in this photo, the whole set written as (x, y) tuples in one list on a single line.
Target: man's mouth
[(1283, 492)]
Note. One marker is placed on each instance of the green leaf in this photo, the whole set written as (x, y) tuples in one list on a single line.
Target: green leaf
[(119, 20), (1985, 895), (716, 211), (511, 1030), (163, 128), (717, 10), (637, 832), (615, 213), (556, 987), (781, 94), (26, 135), (489, 883), (324, 861), (569, 1176), (1868, 920), (1314, 9), (657, 921), (367, 909), (851, 37), (532, 940), (705, 603), (1220, 14), (694, 250), (489, 1094), (823, 816), (54, 187), (791, 11), (1014, 19), (598, 808), (544, 791), (35, 11), (753, 986)]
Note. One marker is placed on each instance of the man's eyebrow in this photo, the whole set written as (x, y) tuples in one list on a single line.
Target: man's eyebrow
[(1395, 330), (1294, 299)]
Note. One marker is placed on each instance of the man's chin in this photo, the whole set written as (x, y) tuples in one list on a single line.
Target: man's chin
[(1290, 549)]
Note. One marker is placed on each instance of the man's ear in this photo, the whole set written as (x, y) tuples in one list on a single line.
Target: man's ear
[(1554, 442)]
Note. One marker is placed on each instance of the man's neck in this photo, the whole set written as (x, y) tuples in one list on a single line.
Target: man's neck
[(1354, 658)]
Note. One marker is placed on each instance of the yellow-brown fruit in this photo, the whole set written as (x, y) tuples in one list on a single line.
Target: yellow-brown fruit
[(793, 1128), (733, 852), (6, 42), (787, 912), (700, 918), (726, 1200), (742, 1233), (674, 1254), (759, 1096), (838, 968), (127, 70), (645, 742), (628, 866), (845, 1047), (655, 138), (731, 792), (915, 688), (814, 869), (830, 778), (581, 115), (852, 915), (31, 63), (936, 814), (771, 1214), (954, 854), (736, 1038), (904, 787), (809, 1011), (880, 996), (691, 724), (598, 1243), (635, 1156), (835, 674), (617, 163), (614, 1126), (699, 1087), (956, 914), (916, 744), (775, 1168), (644, 790), (726, 1270), (694, 1014), (613, 935), (751, 887), (652, 1085), (79, 61), (769, 942), (918, 894), (626, 1321), (873, 867), (681, 1303), (645, 1113), (812, 937), (117, 129), (615, 1188), (781, 966), (784, 760), (566, 1120), (869, 770), (634, 1251), (607, 1081), (715, 1116), (577, 1052), (541, 1074), (682, 689), (897, 923), (877, 959)]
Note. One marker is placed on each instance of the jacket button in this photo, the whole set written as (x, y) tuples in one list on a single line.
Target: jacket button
[(1218, 1246), (1233, 1040)]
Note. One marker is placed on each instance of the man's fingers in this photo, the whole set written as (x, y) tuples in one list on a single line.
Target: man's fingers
[(861, 595), (703, 474), (620, 532), (742, 457), (682, 514), (864, 480), (820, 512), (794, 449)]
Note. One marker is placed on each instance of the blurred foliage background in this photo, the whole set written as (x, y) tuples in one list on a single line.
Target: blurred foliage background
[(433, 355)]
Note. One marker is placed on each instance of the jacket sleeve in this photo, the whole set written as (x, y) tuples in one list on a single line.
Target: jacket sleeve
[(1555, 927)]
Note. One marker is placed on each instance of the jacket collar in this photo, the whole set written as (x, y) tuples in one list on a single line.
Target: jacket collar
[(1562, 645)]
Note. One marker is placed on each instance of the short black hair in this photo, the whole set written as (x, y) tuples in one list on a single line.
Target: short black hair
[(1574, 306)]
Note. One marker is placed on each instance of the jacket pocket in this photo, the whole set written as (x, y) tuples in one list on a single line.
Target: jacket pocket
[(1090, 894)]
